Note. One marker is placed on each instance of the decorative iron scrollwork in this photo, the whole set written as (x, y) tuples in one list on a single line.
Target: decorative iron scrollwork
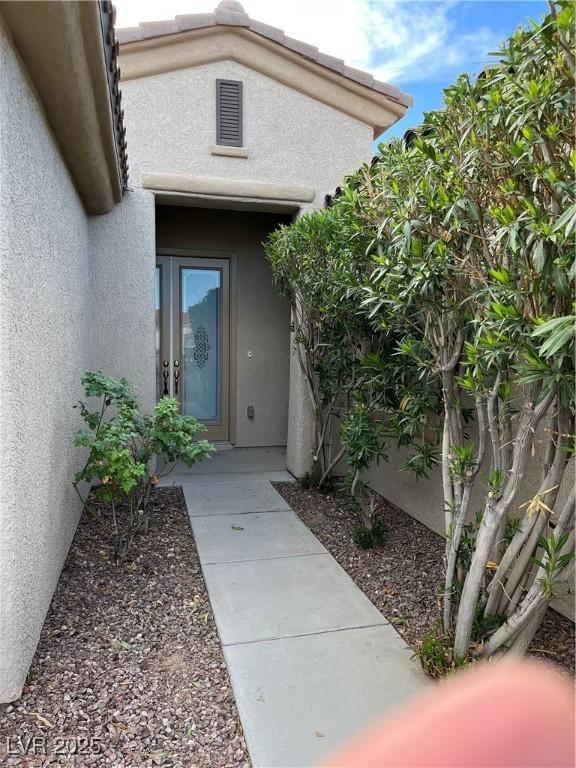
[(201, 346)]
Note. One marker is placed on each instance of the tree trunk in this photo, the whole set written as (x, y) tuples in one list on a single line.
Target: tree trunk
[(524, 638), (535, 599), (522, 546), (494, 513)]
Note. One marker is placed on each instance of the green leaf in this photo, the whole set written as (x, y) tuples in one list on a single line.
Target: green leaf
[(501, 275), (565, 18), (560, 332), (567, 221)]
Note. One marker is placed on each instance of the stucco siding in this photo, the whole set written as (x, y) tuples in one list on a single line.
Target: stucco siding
[(290, 137), (44, 314), (301, 429), (75, 293), (122, 273), (262, 322)]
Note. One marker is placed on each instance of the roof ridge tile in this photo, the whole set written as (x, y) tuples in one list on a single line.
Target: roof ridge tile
[(188, 21), (232, 14)]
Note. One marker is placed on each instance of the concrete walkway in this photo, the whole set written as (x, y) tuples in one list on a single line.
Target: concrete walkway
[(311, 660)]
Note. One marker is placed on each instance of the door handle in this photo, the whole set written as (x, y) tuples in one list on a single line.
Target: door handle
[(176, 376), (165, 376)]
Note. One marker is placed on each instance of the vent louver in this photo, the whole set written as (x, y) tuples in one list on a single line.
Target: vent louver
[(229, 113)]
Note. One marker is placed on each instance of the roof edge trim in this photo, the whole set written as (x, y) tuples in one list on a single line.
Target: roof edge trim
[(221, 43), (62, 48), (162, 29)]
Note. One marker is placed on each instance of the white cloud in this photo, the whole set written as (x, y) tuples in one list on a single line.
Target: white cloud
[(396, 40), (421, 41)]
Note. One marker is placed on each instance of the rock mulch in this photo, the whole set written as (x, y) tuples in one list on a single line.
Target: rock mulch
[(129, 670), (402, 577)]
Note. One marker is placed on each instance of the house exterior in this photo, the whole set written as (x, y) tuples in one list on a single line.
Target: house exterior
[(236, 128), (156, 273), (70, 241)]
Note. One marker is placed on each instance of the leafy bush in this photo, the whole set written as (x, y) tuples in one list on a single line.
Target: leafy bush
[(474, 226), (371, 536), (434, 653), (439, 285), (308, 482), (121, 445), (317, 263)]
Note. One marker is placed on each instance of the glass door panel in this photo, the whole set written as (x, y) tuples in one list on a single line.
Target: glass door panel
[(193, 338), (200, 322), (157, 307)]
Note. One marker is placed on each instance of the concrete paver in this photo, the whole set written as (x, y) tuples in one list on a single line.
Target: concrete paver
[(301, 697), (231, 498), (311, 659), (181, 478), (263, 599), (253, 536)]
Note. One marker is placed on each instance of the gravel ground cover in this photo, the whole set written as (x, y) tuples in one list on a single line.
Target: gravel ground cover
[(402, 577), (129, 670)]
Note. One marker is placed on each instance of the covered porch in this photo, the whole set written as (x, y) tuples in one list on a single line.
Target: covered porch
[(222, 336)]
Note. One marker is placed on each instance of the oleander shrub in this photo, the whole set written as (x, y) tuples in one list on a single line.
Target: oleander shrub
[(455, 257)]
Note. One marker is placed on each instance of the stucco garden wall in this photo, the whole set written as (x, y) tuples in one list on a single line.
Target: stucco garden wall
[(290, 137), (44, 327), (422, 498), (122, 274)]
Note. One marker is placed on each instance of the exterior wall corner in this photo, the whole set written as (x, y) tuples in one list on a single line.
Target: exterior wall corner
[(300, 441), (122, 279)]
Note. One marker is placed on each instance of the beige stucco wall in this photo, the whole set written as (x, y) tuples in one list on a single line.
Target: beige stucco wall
[(75, 293), (122, 275), (290, 137), (44, 299), (262, 317)]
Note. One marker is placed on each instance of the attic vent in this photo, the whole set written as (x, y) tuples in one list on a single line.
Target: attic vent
[(229, 113)]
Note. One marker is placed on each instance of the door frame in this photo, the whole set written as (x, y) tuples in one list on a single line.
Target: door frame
[(206, 255)]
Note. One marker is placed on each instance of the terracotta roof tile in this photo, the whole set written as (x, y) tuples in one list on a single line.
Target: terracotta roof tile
[(272, 33), (338, 65), (231, 13), (364, 78), (310, 51), (111, 48), (194, 21)]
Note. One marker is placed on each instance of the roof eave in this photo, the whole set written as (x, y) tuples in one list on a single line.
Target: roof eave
[(321, 77), (63, 50), (220, 17)]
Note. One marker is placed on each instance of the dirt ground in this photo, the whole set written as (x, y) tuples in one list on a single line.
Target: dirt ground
[(402, 577), (129, 670)]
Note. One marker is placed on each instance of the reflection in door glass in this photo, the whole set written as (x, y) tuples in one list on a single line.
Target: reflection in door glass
[(200, 324), (158, 336)]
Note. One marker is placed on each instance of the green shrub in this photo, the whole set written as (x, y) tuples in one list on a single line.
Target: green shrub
[(433, 650), (370, 536), (437, 290), (309, 481), (121, 445)]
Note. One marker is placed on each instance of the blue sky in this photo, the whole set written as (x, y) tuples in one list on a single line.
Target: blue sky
[(419, 45), (482, 24)]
